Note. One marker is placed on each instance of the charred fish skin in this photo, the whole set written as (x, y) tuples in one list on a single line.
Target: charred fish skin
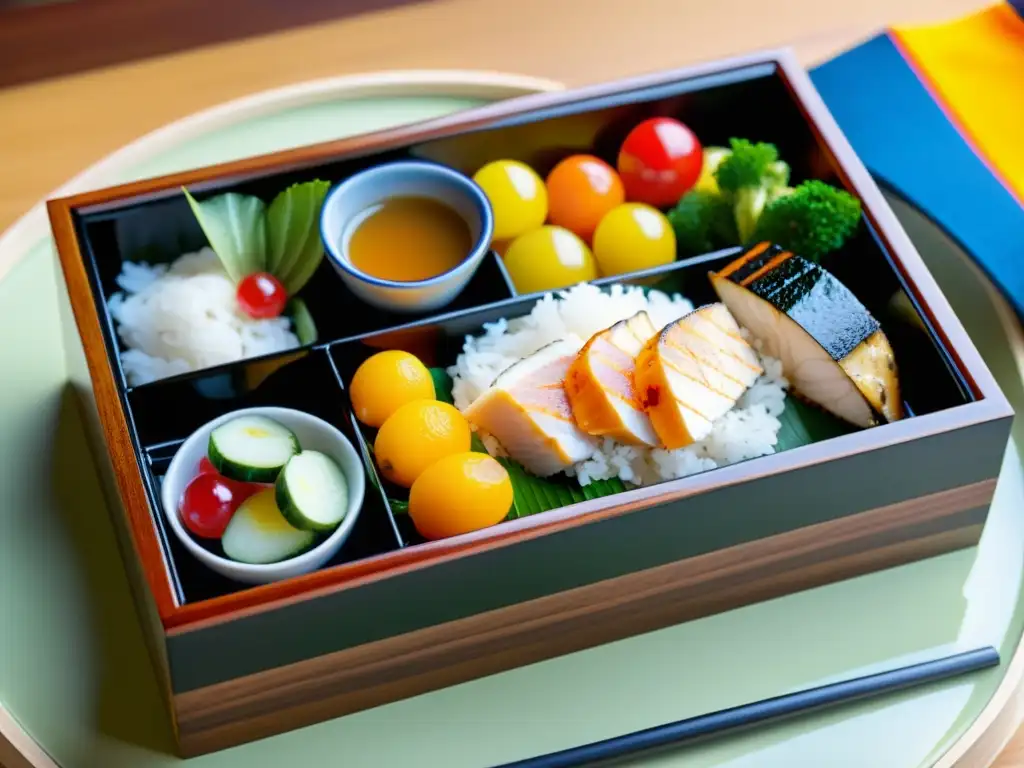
[(828, 312)]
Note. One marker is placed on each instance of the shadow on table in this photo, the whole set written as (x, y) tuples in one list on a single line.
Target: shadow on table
[(128, 702)]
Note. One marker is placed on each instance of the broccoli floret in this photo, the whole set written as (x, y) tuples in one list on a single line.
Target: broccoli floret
[(746, 166), (749, 176), (703, 221), (813, 220)]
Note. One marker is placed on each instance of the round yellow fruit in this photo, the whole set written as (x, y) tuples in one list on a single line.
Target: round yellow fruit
[(547, 258), (458, 494), (416, 436), (517, 194), (632, 237), (385, 382), (713, 157)]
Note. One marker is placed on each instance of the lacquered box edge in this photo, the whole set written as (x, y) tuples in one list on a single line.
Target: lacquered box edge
[(303, 693), (81, 391), (593, 551), (274, 160)]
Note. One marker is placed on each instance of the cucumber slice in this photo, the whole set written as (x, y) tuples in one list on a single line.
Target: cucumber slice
[(259, 534), (312, 492), (251, 448)]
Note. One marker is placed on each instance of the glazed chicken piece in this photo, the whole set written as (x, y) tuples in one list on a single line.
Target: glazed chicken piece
[(693, 372), (527, 411), (601, 387)]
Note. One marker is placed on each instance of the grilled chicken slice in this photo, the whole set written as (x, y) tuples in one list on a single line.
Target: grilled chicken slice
[(693, 372), (600, 383), (833, 351), (527, 411)]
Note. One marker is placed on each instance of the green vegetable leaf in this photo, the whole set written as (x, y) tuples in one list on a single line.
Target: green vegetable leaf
[(294, 248), (234, 225), (747, 166), (812, 221), (750, 203), (399, 507), (531, 494), (302, 321), (803, 424), (703, 222), (443, 389)]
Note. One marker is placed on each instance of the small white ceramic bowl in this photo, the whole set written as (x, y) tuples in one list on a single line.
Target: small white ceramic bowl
[(349, 203), (313, 433)]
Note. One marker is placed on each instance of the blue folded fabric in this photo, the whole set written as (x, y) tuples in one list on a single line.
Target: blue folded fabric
[(905, 139)]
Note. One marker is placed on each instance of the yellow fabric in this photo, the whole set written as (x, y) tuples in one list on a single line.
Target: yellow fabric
[(975, 69)]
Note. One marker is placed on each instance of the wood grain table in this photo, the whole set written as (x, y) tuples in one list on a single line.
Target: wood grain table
[(51, 130)]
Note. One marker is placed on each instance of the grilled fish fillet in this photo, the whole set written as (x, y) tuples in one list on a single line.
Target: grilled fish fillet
[(527, 411), (833, 351), (693, 372), (600, 384)]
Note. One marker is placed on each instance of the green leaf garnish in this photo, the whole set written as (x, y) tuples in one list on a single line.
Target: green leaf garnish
[(234, 225), (803, 424), (443, 392), (398, 506), (282, 238), (302, 321), (293, 234), (531, 494)]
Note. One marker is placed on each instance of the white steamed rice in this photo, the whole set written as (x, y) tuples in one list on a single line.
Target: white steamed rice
[(749, 430), (184, 317)]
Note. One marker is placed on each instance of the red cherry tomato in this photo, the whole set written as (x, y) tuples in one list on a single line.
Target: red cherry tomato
[(659, 162), (207, 505), (206, 467), (261, 295)]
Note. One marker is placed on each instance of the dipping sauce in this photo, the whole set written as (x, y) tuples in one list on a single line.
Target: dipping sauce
[(406, 239)]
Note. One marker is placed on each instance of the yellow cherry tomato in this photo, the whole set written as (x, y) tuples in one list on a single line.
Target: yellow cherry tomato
[(581, 190), (385, 382), (417, 435), (458, 494), (547, 258), (631, 237), (713, 157), (517, 195)]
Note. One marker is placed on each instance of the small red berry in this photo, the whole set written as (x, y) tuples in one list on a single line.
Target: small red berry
[(261, 295), (207, 505)]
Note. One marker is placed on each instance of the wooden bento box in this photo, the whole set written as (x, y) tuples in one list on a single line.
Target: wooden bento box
[(444, 587)]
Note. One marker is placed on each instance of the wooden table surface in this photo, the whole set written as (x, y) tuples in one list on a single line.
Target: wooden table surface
[(51, 130)]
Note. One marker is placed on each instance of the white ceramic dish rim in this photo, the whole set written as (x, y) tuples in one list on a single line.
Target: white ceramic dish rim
[(470, 261), (308, 560)]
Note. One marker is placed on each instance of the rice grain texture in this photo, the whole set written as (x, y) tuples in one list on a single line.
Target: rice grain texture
[(184, 317), (747, 431)]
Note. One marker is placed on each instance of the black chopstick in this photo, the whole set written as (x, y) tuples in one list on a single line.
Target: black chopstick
[(746, 715)]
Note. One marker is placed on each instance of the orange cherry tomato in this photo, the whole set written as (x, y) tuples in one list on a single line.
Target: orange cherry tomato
[(659, 162), (581, 190)]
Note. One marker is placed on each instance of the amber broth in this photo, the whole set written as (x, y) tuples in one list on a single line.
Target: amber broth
[(409, 238)]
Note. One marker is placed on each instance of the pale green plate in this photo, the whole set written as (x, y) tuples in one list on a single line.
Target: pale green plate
[(74, 673)]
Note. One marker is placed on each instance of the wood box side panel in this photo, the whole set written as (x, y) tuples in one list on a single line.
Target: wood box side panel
[(221, 650), (82, 390), (114, 436), (282, 699)]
